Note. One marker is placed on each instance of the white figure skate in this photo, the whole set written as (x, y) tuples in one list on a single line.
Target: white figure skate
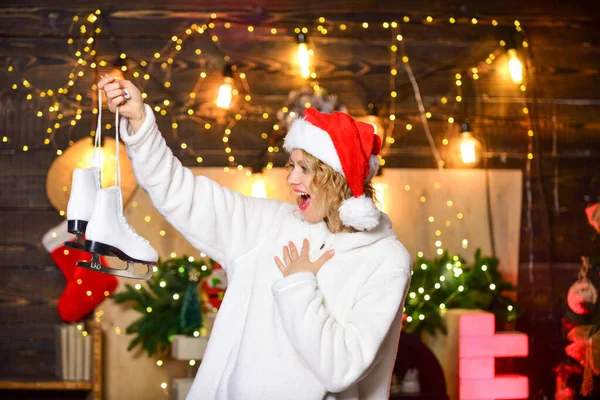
[(84, 186), (108, 232)]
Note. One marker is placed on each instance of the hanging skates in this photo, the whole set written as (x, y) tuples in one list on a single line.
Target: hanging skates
[(98, 214)]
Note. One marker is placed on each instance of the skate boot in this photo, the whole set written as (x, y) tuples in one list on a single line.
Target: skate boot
[(109, 234), (84, 186)]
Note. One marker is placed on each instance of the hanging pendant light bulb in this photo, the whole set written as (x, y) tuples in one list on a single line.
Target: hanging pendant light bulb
[(225, 94), (304, 55), (515, 66), (469, 146)]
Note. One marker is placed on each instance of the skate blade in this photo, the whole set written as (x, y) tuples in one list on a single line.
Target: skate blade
[(129, 272), (103, 249)]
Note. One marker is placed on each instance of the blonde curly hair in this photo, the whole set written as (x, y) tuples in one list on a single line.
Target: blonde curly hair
[(333, 190)]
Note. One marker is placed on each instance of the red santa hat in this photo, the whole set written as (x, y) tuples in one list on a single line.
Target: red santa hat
[(348, 146)]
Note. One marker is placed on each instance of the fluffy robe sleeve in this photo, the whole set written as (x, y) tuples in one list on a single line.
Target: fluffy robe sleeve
[(340, 352), (220, 222)]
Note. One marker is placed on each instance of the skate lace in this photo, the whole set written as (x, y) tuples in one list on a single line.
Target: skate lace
[(97, 159), (132, 231)]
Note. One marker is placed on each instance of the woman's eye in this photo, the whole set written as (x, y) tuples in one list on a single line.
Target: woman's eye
[(305, 170)]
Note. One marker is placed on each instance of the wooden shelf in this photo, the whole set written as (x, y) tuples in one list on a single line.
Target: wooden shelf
[(95, 386), (50, 385)]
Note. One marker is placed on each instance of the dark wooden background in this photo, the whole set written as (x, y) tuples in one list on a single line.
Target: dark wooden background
[(563, 97)]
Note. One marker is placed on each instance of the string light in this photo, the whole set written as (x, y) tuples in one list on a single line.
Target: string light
[(177, 41)]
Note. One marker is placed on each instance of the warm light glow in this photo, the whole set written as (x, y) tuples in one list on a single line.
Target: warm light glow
[(225, 94), (304, 60), (258, 189), (468, 148), (514, 66)]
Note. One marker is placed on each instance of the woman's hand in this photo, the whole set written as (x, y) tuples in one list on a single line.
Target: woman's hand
[(300, 263), (132, 108)]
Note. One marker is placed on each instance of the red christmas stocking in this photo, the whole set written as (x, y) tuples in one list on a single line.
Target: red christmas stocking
[(85, 289)]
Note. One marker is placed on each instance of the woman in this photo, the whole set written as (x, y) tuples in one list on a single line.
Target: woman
[(297, 321)]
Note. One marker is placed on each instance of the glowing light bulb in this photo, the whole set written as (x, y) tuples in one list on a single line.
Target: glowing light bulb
[(515, 66), (225, 94), (469, 146), (467, 151), (304, 56), (304, 60)]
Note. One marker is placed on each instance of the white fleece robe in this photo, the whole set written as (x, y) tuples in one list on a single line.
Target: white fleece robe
[(302, 337)]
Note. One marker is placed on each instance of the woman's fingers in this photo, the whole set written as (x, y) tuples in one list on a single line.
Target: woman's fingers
[(104, 81), (304, 251), (117, 101), (286, 255), (293, 251), (280, 265)]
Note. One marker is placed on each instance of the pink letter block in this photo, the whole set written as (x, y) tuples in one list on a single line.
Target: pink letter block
[(479, 345)]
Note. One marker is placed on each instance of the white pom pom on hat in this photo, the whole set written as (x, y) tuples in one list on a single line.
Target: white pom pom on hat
[(348, 146)]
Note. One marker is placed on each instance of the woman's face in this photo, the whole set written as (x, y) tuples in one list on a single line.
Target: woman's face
[(300, 180)]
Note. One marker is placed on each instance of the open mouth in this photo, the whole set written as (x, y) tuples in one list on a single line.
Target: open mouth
[(304, 201)]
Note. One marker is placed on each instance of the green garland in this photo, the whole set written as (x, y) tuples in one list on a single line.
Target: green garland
[(449, 282), (169, 303)]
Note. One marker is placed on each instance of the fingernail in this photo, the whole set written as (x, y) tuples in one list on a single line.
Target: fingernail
[(331, 252)]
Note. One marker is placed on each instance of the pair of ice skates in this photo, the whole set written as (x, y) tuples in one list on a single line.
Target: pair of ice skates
[(95, 217)]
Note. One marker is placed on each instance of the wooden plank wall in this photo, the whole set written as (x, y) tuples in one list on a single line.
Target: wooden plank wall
[(30, 283)]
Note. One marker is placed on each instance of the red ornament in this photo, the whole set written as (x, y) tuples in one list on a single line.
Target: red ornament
[(582, 296), (85, 289), (593, 215), (215, 286)]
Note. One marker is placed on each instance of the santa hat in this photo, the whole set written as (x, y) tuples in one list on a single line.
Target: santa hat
[(348, 146)]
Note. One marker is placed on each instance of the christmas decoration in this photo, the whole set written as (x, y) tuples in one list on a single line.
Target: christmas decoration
[(593, 215), (213, 288), (586, 350), (85, 289), (581, 324), (300, 99), (582, 295), (170, 304), (478, 346), (449, 282), (191, 313)]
